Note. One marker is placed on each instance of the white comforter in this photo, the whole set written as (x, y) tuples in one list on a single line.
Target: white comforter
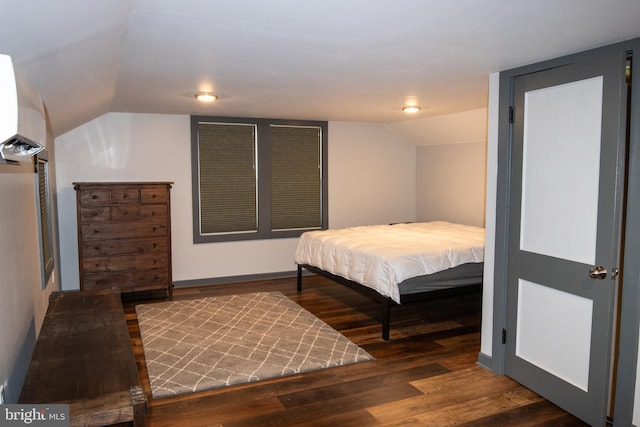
[(382, 256)]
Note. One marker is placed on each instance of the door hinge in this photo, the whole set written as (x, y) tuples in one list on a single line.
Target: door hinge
[(511, 115), (504, 336)]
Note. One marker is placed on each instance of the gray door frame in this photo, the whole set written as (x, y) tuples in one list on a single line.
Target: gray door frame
[(629, 326)]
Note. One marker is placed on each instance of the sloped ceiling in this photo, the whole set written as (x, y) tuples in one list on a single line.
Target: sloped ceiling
[(343, 60)]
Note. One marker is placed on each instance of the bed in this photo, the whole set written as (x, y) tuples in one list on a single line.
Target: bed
[(396, 263)]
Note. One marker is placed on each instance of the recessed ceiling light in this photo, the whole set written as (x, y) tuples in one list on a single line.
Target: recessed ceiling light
[(206, 97), (411, 109)]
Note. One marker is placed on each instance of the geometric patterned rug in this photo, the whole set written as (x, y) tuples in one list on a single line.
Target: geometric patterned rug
[(213, 342)]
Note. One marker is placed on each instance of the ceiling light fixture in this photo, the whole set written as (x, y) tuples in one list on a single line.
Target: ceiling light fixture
[(411, 109), (206, 97)]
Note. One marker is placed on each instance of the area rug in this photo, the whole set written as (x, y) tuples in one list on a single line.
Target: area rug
[(214, 342)]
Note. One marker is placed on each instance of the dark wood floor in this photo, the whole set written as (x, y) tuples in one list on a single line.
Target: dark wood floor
[(426, 375)]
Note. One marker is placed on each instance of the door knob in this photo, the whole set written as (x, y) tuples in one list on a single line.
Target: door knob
[(598, 272)]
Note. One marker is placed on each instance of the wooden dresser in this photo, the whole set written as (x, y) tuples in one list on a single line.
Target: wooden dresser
[(124, 235)]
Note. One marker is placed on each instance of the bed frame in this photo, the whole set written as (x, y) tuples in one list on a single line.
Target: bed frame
[(410, 295)]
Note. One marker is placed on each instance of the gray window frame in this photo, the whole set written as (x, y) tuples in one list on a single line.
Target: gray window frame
[(263, 179)]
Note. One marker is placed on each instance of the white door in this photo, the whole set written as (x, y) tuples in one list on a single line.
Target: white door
[(566, 190)]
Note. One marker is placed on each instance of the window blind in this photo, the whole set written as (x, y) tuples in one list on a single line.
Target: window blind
[(296, 179), (227, 177), (46, 239)]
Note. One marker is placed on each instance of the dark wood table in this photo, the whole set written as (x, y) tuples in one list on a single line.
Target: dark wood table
[(83, 357)]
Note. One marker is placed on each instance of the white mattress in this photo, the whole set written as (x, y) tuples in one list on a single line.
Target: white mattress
[(382, 256)]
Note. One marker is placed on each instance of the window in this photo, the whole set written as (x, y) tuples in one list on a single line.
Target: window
[(44, 207), (257, 178)]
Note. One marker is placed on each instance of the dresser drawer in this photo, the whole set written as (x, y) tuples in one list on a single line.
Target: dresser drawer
[(125, 196), (154, 212), (121, 230), (157, 194), (98, 213), (122, 263), (125, 213), (128, 280), (102, 248), (94, 197)]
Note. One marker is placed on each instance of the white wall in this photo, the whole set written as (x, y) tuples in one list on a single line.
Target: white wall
[(23, 302), (490, 216), (451, 183), (371, 180), (372, 175), (457, 128)]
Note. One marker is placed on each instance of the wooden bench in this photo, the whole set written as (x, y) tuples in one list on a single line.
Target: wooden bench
[(83, 357)]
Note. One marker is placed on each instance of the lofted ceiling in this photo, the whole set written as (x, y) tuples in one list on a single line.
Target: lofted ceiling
[(343, 60)]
